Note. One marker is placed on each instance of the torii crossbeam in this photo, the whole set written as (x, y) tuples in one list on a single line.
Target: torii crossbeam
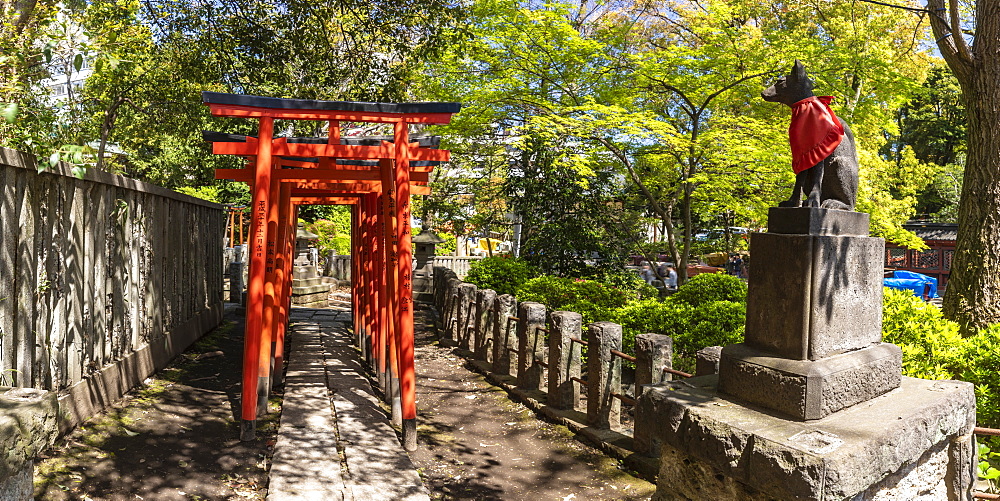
[(376, 175)]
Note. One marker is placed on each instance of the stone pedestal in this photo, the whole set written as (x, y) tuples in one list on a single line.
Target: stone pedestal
[(913, 443), (308, 289), (812, 405), (814, 317)]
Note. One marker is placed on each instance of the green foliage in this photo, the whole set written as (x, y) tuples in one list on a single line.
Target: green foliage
[(504, 274), (592, 299), (448, 247), (985, 468), (630, 282), (653, 316), (715, 323), (334, 233), (710, 287), (980, 360), (210, 193), (934, 349)]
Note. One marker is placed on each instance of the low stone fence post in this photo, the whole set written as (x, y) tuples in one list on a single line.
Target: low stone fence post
[(28, 426), (564, 359), (707, 360), (604, 375), (530, 344), (484, 312), (451, 308), (236, 282), (653, 352), (504, 336), (466, 311)]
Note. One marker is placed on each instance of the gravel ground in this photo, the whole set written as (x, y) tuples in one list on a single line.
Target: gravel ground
[(475, 443)]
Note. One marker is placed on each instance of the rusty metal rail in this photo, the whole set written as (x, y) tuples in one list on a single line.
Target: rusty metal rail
[(625, 399), (676, 372), (617, 353), (579, 341), (578, 380)]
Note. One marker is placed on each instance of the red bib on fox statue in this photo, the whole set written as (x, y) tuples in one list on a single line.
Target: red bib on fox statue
[(814, 132)]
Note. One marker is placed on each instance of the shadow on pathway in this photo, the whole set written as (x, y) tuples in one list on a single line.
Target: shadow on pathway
[(475, 443), (174, 439)]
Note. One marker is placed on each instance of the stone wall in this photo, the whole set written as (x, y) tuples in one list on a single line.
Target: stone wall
[(102, 281)]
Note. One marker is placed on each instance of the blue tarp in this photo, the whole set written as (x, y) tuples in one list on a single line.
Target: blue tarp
[(916, 283)]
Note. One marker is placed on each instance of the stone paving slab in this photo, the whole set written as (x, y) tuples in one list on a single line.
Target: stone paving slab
[(335, 441)]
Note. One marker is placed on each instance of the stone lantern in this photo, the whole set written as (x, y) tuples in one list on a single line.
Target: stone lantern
[(423, 252), (308, 288), (305, 242)]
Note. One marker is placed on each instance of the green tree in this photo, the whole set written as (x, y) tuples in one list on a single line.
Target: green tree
[(973, 295), (689, 132)]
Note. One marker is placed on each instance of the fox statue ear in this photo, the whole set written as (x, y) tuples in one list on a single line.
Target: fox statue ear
[(798, 70)]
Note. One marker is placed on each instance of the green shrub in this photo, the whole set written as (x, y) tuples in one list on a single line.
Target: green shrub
[(717, 323), (651, 315), (594, 300), (982, 361), (710, 287), (932, 347), (334, 235), (446, 248), (633, 285), (504, 274)]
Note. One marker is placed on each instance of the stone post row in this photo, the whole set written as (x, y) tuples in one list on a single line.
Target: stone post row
[(604, 375), (653, 352), (504, 337), (530, 344), (564, 359), (484, 312)]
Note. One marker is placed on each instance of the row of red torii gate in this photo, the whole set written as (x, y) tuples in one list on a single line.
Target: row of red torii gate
[(376, 176)]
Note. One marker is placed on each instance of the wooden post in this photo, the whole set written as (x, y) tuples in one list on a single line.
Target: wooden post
[(269, 317), (378, 293), (408, 388), (283, 282), (390, 221), (255, 288)]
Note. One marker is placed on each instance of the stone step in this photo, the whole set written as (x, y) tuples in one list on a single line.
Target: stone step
[(310, 289), (307, 282), (305, 272)]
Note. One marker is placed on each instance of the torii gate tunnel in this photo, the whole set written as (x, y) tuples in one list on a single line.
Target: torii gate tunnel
[(376, 176)]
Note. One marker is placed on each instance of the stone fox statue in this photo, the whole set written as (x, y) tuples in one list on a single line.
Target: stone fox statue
[(823, 155)]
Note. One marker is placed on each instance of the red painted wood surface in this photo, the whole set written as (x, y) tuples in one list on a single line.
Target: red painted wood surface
[(255, 287)]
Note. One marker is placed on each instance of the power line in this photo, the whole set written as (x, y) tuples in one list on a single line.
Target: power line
[(904, 7)]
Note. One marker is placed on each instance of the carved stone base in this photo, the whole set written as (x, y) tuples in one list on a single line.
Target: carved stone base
[(914, 442), (809, 389)]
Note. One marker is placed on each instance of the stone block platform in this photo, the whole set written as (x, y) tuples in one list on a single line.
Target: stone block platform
[(910, 443)]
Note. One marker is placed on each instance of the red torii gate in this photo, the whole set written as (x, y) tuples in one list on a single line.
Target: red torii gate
[(376, 175)]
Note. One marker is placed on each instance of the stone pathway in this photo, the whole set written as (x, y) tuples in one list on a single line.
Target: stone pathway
[(334, 440)]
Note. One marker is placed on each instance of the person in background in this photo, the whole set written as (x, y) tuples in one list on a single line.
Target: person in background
[(738, 266), (647, 274), (670, 278)]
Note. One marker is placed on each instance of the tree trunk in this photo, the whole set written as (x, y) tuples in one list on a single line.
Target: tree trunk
[(973, 294)]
